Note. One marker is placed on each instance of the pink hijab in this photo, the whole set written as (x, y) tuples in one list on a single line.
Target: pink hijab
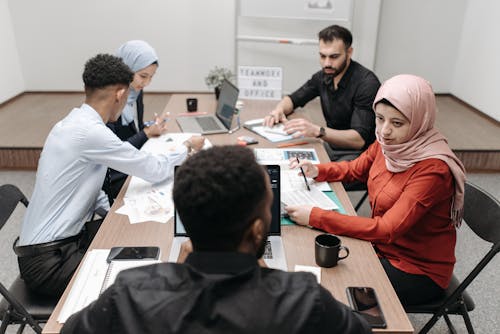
[(414, 98)]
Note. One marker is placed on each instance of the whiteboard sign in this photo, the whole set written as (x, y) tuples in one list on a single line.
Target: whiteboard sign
[(260, 83)]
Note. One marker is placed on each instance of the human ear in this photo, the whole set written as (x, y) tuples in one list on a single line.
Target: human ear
[(257, 230), (349, 51), (120, 92)]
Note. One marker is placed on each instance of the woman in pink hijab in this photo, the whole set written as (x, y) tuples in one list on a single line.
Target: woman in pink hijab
[(416, 191)]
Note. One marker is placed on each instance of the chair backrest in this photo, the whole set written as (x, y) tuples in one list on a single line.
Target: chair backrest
[(10, 195), (482, 213)]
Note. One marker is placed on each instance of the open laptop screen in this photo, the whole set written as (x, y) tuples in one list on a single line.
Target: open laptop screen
[(275, 229), (225, 105)]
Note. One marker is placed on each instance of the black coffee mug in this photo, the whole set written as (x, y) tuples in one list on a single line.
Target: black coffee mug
[(327, 248), (192, 104)]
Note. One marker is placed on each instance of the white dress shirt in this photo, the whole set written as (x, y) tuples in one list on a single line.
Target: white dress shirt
[(71, 171)]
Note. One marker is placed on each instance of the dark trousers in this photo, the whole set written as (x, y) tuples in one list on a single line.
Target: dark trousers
[(49, 273), (412, 289)]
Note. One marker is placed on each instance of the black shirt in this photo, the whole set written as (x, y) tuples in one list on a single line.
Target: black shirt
[(348, 107), (215, 293)]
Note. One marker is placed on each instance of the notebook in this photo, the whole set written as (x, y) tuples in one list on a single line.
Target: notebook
[(223, 118), (274, 255)]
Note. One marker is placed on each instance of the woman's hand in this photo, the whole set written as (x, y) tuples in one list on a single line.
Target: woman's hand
[(156, 129), (299, 213), (310, 170)]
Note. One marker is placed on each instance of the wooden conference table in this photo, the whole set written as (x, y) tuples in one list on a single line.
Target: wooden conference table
[(360, 268)]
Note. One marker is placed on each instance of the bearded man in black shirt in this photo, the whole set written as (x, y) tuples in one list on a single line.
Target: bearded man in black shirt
[(346, 90)]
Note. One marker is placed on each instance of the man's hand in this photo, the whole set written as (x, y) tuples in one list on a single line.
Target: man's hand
[(274, 117), (300, 127), (196, 142), (186, 249), (299, 213)]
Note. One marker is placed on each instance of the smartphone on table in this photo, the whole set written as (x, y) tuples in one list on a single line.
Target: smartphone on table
[(365, 302), (133, 253)]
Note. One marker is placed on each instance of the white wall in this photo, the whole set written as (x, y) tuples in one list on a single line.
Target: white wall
[(11, 76), (420, 37), (56, 37), (299, 62), (477, 68), (452, 43)]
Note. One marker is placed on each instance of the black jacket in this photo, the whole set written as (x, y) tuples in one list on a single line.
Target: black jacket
[(215, 293)]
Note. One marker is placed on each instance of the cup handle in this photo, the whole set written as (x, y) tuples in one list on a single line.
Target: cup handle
[(347, 252)]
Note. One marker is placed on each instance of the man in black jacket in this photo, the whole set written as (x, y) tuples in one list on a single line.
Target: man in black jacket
[(224, 200)]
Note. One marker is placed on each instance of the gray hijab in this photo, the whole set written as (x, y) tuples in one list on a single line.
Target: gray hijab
[(137, 55)]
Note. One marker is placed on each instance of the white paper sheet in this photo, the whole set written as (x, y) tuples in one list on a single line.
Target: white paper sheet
[(145, 201), (313, 197)]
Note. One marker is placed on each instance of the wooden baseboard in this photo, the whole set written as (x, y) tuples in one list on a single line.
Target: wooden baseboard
[(471, 108), (20, 158)]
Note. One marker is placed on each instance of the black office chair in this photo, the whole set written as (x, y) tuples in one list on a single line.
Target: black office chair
[(482, 215), (357, 186), (19, 305)]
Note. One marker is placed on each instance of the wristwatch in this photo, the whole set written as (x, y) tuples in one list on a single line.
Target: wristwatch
[(322, 132)]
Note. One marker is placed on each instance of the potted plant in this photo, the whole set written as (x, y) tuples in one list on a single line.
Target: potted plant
[(215, 78)]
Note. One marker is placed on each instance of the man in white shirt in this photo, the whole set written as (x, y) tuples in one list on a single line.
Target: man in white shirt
[(79, 149)]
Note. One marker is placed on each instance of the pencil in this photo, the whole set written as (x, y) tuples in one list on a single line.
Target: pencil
[(304, 175), (293, 144)]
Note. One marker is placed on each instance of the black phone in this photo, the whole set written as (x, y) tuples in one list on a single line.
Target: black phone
[(133, 253), (365, 302)]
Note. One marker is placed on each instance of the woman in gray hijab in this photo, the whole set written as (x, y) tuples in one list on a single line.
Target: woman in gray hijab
[(143, 61)]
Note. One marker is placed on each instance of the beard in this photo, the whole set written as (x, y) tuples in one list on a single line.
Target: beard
[(336, 71)]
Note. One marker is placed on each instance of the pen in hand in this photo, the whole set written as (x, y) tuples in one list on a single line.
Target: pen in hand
[(149, 123), (304, 175)]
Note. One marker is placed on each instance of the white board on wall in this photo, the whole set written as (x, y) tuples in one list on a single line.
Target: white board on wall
[(338, 10)]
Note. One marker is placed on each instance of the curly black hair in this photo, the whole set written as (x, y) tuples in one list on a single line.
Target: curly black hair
[(218, 193), (105, 70), (336, 32)]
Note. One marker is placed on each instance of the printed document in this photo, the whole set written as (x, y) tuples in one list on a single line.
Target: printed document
[(314, 197)]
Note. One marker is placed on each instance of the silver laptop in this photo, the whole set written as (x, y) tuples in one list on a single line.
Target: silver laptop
[(218, 123), (274, 255)]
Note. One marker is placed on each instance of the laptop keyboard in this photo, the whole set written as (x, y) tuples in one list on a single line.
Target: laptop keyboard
[(268, 253), (207, 123)]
